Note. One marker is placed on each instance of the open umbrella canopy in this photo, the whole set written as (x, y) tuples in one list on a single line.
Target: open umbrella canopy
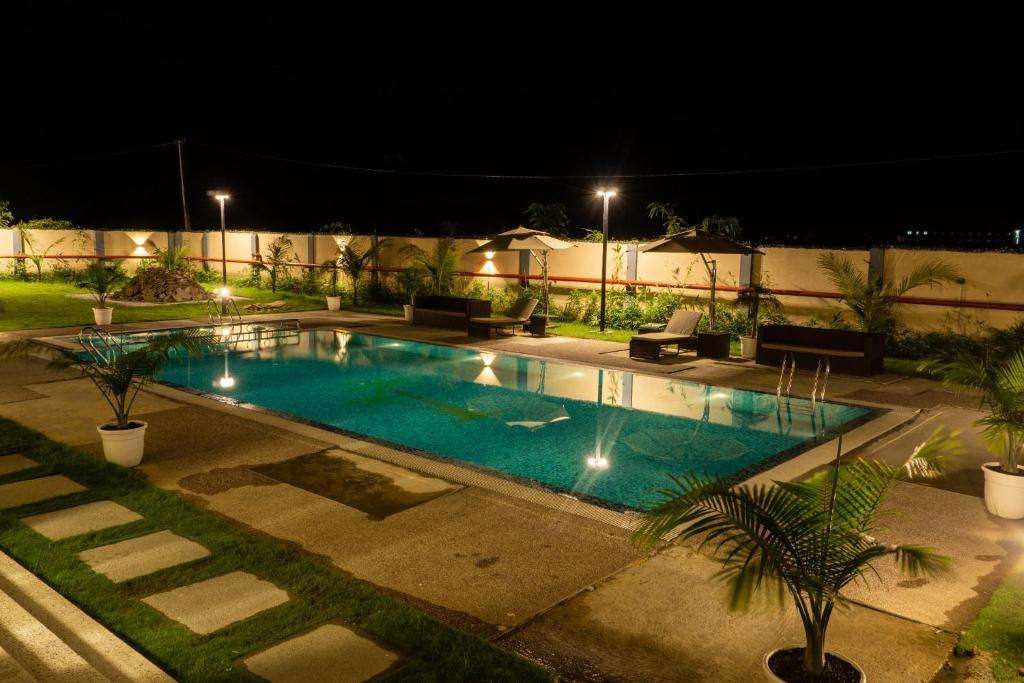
[(522, 239), (699, 242)]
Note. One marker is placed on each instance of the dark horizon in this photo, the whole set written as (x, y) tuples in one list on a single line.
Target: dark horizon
[(270, 82)]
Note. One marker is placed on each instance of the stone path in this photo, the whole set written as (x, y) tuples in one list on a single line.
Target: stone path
[(76, 648)]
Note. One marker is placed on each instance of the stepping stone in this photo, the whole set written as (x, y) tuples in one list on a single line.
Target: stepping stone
[(211, 605), (329, 653), (34, 490), (15, 463), (81, 519), (143, 555)]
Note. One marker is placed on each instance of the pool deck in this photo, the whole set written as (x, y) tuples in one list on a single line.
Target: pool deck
[(556, 583)]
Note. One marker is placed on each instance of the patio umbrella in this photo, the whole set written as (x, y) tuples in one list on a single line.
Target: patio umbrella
[(537, 242), (702, 242)]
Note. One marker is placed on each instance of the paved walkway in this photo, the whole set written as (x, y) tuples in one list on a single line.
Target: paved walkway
[(562, 588), (44, 638)]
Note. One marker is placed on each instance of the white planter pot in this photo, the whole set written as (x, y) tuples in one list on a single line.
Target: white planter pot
[(334, 303), (408, 312), (102, 316), (775, 679), (1004, 493), (124, 446), (748, 347)]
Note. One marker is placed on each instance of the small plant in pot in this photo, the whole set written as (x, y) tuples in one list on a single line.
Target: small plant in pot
[(759, 299), (119, 376), (410, 281), (1000, 382), (806, 539), (101, 279), (333, 266)]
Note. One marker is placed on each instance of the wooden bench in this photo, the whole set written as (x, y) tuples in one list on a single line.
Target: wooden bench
[(847, 351)]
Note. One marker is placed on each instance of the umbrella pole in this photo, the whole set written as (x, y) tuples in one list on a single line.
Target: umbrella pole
[(712, 266)]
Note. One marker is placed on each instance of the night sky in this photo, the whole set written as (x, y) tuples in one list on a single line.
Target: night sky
[(436, 95)]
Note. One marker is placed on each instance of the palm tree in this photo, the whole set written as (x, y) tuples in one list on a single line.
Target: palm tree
[(872, 299), (440, 263), (1001, 383), (810, 539), (354, 263), (666, 212)]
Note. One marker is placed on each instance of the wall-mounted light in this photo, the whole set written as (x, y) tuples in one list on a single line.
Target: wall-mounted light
[(487, 359)]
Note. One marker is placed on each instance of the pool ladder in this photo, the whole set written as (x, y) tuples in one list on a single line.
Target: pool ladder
[(99, 344), (789, 362), (219, 308)]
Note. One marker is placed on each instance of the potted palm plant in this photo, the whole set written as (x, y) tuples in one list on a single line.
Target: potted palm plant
[(410, 281), (755, 297), (809, 539), (101, 279), (1001, 383), (119, 376), (333, 299)]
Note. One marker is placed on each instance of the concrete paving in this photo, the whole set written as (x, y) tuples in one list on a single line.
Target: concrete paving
[(10, 464), (666, 620), (28, 491), (211, 605), (330, 654), (81, 519), (143, 555), (70, 410)]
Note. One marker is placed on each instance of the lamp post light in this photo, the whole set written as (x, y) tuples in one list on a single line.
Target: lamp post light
[(221, 198), (606, 195)]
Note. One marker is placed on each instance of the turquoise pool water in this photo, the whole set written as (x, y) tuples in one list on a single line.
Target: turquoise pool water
[(607, 435)]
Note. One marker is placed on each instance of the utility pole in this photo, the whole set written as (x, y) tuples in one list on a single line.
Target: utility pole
[(181, 177)]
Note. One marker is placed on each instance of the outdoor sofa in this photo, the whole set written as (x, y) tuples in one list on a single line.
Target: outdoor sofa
[(519, 314), (681, 331), (847, 351), (447, 311)]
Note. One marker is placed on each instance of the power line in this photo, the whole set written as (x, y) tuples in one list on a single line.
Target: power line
[(674, 174), (96, 157)]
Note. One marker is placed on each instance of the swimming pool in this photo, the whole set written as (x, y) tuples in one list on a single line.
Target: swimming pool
[(606, 435)]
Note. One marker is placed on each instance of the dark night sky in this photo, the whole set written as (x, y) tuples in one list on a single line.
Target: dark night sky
[(436, 94)]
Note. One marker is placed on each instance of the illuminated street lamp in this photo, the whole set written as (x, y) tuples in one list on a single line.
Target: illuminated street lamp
[(222, 197), (606, 195)]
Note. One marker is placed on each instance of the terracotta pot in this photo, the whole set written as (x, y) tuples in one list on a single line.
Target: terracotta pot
[(123, 446)]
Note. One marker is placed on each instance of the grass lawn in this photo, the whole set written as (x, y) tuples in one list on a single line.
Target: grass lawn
[(999, 629), (34, 305), (430, 650)]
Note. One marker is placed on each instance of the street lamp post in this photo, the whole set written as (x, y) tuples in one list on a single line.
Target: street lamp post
[(221, 198), (606, 195)]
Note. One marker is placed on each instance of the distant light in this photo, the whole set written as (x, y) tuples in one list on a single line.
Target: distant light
[(1016, 236), (223, 292), (226, 382), (597, 462), (224, 332), (487, 359), (606, 193), (488, 255), (221, 196)]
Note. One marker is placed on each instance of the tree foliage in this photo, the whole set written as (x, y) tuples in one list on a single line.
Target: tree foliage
[(870, 297), (809, 539), (551, 218), (440, 263), (354, 263)]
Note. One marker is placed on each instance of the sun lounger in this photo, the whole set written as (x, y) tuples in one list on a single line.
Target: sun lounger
[(519, 314), (680, 331)]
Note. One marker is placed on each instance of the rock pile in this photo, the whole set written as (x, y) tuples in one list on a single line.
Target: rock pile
[(162, 286)]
